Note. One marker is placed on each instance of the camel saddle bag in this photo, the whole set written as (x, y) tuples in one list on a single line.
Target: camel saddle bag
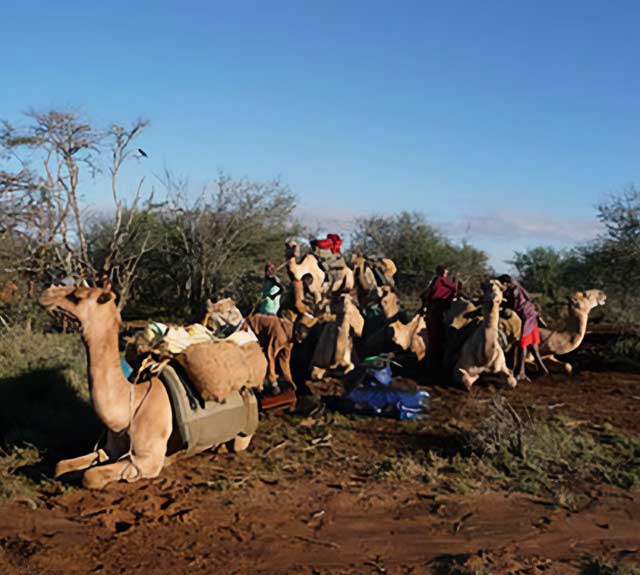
[(199, 424)]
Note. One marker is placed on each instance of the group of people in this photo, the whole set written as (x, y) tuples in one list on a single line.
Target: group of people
[(437, 299)]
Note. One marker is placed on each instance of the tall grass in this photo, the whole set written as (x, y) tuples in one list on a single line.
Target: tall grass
[(44, 412)]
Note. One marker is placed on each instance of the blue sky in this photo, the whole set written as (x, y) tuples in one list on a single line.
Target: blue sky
[(504, 122)]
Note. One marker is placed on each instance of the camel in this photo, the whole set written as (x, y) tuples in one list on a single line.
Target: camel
[(325, 281), (275, 335), (566, 340), (335, 343), (138, 417), (553, 342), (222, 317), (481, 353), (308, 265), (411, 336), (462, 319), (369, 274)]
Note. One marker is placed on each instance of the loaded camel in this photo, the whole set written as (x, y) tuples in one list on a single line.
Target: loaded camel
[(138, 417)]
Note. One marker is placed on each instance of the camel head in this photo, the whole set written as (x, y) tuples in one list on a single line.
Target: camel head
[(291, 249), (582, 302), (88, 306), (222, 316), (492, 292), (357, 259)]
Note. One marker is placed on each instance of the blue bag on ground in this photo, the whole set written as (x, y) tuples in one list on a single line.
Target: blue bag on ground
[(369, 390)]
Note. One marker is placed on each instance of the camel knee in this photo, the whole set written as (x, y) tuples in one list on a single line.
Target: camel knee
[(241, 443)]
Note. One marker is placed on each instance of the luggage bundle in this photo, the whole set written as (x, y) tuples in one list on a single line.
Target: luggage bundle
[(216, 368), (327, 251), (371, 390)]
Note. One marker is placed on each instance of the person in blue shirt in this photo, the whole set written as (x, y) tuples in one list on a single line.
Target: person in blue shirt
[(271, 291)]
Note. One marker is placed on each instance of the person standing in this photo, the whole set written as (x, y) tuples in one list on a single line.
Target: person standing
[(437, 300), (519, 299), (271, 291)]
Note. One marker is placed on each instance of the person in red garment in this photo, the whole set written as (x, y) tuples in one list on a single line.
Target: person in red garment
[(520, 301), (437, 300)]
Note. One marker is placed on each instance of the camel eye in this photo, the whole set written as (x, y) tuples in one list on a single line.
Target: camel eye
[(104, 298)]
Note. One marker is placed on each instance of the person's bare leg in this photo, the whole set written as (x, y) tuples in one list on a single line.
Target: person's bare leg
[(522, 360)]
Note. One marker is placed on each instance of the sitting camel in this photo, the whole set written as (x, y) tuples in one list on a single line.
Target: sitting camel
[(481, 353), (138, 417), (410, 336), (334, 347), (566, 340), (463, 314), (464, 317)]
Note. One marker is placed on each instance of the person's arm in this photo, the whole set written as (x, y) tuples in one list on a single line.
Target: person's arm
[(275, 291), (298, 301)]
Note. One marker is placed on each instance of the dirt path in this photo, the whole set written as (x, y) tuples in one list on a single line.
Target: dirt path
[(314, 510)]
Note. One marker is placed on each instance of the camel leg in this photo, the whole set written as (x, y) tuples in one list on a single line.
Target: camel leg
[(511, 379), (469, 376), (284, 361), (145, 466), (554, 362), (317, 373), (80, 463)]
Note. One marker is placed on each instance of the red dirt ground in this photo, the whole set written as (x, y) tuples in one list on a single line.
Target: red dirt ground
[(296, 505)]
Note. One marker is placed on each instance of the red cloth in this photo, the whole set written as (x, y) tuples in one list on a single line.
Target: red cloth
[(332, 242), (337, 242), (442, 288), (532, 338)]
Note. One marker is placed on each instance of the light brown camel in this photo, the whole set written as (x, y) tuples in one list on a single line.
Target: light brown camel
[(335, 344), (308, 265), (561, 341), (411, 336), (464, 316), (325, 281), (481, 353), (364, 270), (138, 417)]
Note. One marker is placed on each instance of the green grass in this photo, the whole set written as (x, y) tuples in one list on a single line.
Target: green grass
[(552, 457), (44, 413)]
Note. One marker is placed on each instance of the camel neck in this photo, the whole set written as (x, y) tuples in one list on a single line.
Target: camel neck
[(576, 324), (491, 315), (107, 384)]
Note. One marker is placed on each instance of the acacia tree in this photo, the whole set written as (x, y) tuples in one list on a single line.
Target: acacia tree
[(41, 185), (216, 242)]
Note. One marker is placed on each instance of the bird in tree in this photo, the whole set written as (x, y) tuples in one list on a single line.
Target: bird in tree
[(142, 153)]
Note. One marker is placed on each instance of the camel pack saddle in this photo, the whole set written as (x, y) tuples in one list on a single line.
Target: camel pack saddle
[(198, 424)]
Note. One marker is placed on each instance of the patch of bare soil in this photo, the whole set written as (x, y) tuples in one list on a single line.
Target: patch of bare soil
[(308, 499)]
